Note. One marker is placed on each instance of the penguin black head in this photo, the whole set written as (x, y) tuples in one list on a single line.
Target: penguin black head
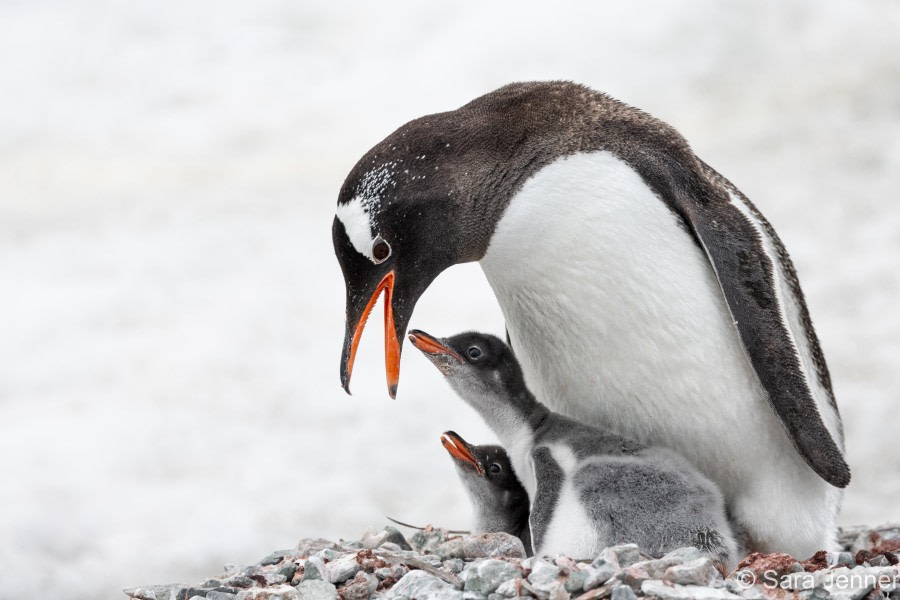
[(488, 476), (480, 367), (430, 195)]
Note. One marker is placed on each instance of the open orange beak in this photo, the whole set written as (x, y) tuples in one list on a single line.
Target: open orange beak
[(391, 343), (460, 450)]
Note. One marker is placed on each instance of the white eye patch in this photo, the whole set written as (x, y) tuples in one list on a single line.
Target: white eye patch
[(354, 215)]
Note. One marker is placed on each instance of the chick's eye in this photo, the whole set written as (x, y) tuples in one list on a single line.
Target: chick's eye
[(474, 352), (380, 250), (494, 468)]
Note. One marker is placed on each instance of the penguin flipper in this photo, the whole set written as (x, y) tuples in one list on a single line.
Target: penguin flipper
[(723, 222), (548, 477)]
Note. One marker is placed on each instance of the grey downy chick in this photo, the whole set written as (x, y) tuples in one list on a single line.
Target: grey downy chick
[(588, 488), (497, 496)]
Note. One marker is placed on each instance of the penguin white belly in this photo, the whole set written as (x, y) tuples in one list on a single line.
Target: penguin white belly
[(617, 318), (570, 531)]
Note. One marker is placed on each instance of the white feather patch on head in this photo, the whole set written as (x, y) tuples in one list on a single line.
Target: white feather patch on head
[(355, 217), (357, 214)]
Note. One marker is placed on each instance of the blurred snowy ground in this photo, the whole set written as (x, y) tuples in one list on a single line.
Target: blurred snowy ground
[(171, 310)]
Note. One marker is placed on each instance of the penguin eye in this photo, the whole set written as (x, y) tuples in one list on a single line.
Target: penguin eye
[(494, 468), (474, 352), (381, 250)]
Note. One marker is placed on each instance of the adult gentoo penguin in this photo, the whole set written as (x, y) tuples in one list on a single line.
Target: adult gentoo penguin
[(641, 290), (589, 488), (498, 499)]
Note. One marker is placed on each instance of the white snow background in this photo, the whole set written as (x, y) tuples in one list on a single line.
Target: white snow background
[(171, 311)]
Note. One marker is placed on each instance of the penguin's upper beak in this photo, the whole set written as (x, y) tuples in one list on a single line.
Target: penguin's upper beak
[(460, 450), (431, 346), (391, 342)]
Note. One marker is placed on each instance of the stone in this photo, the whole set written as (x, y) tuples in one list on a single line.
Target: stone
[(818, 593), (633, 576), (360, 587), (421, 585), (510, 588), (214, 595), (352, 545), (309, 546), (288, 571), (486, 576), (486, 545), (452, 548), (840, 559), (328, 554), (623, 555), (683, 555), (623, 592), (879, 561), (314, 569), (155, 592), (700, 571), (188, 593), (543, 574), (274, 558), (575, 581), (284, 592), (598, 575), (274, 578), (426, 540), (454, 565), (343, 568), (665, 591), (389, 535), (772, 565), (239, 581)]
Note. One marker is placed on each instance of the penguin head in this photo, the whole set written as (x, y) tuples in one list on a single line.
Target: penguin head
[(487, 474), (407, 211), (480, 367), (430, 196)]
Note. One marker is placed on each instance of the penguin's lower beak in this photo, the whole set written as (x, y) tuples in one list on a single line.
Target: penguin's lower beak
[(460, 450), (430, 345), (391, 343)]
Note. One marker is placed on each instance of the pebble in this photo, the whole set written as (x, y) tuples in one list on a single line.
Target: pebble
[(380, 566), (274, 558), (486, 576), (700, 571), (840, 559), (623, 555), (511, 588), (623, 592), (314, 568), (420, 585), (426, 540), (576, 580), (389, 535), (597, 574), (343, 568), (310, 546), (665, 591)]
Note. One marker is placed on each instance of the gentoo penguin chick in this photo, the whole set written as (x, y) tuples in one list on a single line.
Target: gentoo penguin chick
[(589, 488), (497, 495)]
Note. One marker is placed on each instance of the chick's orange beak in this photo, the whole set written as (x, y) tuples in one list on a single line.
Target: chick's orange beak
[(429, 344), (459, 449), (391, 343)]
